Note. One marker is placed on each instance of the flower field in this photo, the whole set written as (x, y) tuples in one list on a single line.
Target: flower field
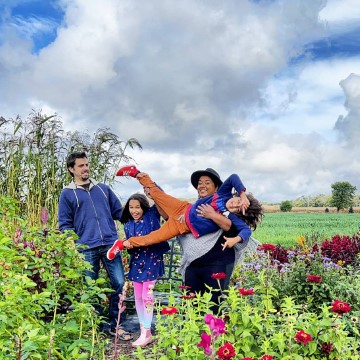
[(285, 302)]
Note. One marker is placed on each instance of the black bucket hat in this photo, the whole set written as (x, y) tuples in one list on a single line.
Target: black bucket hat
[(211, 173)]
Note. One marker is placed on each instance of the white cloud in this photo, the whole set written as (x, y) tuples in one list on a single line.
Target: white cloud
[(199, 84)]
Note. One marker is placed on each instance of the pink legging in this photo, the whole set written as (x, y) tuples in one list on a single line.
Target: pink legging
[(144, 301)]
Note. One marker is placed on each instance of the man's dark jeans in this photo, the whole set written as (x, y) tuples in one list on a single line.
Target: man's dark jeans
[(115, 271)]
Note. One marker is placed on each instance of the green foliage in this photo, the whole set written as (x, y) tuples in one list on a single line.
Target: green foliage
[(286, 206), (285, 228), (32, 160), (46, 310), (342, 194)]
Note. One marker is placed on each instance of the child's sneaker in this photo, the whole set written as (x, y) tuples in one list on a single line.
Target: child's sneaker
[(128, 170), (117, 246)]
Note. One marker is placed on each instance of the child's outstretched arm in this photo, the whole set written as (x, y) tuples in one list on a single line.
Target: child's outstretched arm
[(231, 241)]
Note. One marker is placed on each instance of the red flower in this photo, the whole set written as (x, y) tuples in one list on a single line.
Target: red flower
[(267, 247), (314, 278), (246, 292), (184, 287), (170, 310), (226, 351), (188, 297), (327, 348), (219, 276), (247, 358), (340, 307), (266, 357), (303, 337)]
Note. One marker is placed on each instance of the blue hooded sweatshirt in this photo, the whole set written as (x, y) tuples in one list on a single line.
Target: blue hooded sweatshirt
[(90, 214)]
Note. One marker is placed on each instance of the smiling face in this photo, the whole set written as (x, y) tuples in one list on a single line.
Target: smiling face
[(81, 171), (206, 186), (233, 205), (135, 209)]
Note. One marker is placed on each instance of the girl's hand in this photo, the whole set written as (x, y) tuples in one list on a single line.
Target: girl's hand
[(245, 203), (230, 242)]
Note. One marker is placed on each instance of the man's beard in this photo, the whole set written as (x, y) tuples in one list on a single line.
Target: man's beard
[(85, 177)]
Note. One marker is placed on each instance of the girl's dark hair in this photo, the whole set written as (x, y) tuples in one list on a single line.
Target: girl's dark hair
[(254, 213), (144, 204)]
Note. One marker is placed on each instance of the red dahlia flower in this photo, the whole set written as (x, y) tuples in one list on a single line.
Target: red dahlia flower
[(303, 337), (266, 357), (246, 292), (218, 276), (226, 352), (169, 310), (314, 278), (247, 358), (340, 307), (184, 287), (267, 247)]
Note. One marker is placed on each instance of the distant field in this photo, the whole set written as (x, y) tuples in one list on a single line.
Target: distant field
[(285, 228)]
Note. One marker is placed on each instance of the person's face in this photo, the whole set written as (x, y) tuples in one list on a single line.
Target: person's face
[(80, 170), (135, 209), (234, 205), (206, 186)]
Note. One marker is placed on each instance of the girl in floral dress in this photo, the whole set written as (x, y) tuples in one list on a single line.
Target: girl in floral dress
[(146, 262)]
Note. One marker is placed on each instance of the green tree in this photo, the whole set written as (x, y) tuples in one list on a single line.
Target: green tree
[(286, 206), (342, 194)]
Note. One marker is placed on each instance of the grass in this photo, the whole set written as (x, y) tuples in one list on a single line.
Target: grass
[(285, 228)]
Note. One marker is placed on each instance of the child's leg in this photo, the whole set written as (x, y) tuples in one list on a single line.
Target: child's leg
[(171, 228), (148, 300), (139, 305), (171, 205)]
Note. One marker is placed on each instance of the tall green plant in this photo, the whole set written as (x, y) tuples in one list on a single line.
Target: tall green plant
[(33, 160)]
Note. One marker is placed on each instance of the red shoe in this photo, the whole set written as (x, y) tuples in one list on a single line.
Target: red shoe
[(117, 246), (128, 170)]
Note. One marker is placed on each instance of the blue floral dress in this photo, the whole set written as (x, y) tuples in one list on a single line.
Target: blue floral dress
[(146, 262)]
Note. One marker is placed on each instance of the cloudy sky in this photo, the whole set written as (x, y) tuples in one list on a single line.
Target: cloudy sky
[(268, 89)]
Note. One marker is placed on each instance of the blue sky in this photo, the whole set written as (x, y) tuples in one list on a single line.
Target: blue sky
[(266, 89)]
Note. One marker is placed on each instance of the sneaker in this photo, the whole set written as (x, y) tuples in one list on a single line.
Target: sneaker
[(117, 246), (128, 170)]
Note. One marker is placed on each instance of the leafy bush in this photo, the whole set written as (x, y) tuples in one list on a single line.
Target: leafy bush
[(46, 310), (286, 206)]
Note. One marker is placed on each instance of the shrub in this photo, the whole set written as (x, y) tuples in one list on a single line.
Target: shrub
[(286, 206), (46, 311)]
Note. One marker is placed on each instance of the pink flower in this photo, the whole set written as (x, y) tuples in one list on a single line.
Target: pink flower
[(303, 337), (216, 325), (246, 292), (205, 343)]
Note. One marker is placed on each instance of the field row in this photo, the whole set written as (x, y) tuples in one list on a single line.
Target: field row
[(285, 228)]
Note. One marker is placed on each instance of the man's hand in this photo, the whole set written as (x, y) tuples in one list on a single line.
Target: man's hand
[(231, 241), (127, 244)]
